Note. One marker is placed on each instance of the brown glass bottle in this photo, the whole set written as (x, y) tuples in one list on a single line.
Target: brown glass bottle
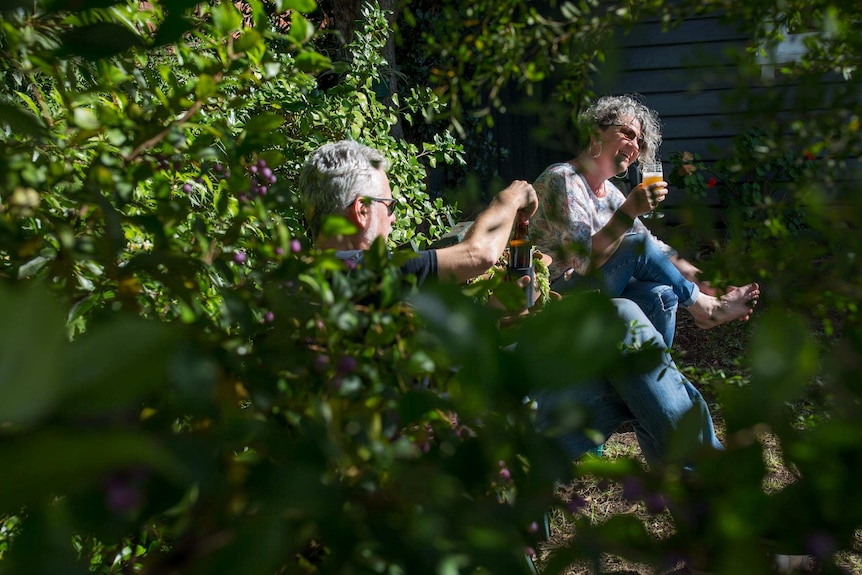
[(521, 258)]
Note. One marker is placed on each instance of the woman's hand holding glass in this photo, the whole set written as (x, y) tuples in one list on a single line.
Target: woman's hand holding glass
[(654, 188)]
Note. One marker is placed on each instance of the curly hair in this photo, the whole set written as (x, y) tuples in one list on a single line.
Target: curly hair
[(613, 110), (334, 176)]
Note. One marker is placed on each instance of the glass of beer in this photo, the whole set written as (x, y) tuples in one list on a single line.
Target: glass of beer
[(651, 173)]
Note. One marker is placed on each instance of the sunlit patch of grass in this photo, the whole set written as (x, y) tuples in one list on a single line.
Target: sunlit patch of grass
[(851, 561)]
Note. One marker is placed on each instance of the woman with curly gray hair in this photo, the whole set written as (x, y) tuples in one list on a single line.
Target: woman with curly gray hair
[(594, 232)]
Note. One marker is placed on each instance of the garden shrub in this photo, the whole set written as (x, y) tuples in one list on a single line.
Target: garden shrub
[(189, 387)]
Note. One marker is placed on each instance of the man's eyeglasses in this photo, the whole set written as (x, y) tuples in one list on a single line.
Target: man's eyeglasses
[(631, 135), (389, 202)]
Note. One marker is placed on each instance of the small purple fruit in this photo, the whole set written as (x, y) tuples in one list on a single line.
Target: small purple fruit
[(575, 504), (346, 364)]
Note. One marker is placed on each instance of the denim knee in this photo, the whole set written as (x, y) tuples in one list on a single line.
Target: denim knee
[(669, 300)]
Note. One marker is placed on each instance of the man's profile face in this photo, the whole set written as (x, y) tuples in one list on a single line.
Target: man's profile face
[(379, 223)]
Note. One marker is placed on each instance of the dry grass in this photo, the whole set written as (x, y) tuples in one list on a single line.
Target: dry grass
[(713, 352)]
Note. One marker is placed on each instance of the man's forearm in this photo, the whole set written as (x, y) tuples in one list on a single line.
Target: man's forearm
[(488, 236)]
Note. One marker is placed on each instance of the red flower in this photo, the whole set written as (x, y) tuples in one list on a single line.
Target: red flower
[(809, 155), (711, 183)]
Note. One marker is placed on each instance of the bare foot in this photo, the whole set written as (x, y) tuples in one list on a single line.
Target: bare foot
[(738, 303)]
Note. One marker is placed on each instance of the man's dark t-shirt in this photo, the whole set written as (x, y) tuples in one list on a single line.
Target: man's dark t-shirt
[(423, 266)]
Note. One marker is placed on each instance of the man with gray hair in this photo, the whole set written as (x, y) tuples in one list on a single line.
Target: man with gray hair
[(349, 179)]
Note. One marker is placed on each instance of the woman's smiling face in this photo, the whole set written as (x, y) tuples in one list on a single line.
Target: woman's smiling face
[(621, 144)]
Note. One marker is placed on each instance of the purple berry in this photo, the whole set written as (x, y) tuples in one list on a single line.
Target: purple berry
[(575, 504), (253, 169), (632, 488), (654, 502), (821, 545), (295, 246), (262, 163), (505, 473), (123, 499), (188, 188), (240, 257), (279, 251), (269, 317), (262, 190), (346, 364)]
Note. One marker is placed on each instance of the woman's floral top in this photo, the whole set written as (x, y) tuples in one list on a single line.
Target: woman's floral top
[(570, 213)]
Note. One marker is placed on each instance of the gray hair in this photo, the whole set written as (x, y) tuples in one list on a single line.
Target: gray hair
[(334, 176), (612, 110)]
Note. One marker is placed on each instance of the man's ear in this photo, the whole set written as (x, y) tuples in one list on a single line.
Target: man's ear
[(358, 212)]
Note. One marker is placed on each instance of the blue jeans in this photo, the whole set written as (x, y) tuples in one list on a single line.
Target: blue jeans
[(654, 402), (658, 303), (638, 270)]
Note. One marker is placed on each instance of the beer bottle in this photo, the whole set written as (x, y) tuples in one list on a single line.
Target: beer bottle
[(521, 258)]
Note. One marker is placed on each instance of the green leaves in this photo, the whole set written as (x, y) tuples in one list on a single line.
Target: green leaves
[(30, 359), (306, 400), (79, 5), (226, 18), (304, 6), (47, 463), (99, 40), (21, 121), (43, 374)]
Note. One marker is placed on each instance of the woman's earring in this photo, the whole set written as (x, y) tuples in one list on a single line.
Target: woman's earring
[(597, 154)]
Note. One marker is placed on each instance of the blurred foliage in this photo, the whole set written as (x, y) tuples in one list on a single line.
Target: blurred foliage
[(189, 388), (753, 182)]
